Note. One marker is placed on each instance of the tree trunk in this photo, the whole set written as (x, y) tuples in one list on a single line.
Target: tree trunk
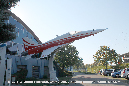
[(63, 67), (106, 65), (63, 74)]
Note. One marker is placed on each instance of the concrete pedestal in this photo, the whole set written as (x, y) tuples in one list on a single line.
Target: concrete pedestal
[(52, 72), (2, 63), (8, 72), (52, 75)]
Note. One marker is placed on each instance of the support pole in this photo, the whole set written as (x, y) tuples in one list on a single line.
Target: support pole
[(52, 72)]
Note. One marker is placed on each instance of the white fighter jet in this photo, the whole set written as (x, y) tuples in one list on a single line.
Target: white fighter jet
[(49, 46)]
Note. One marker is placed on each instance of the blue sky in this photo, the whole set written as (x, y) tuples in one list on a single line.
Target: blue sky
[(48, 18)]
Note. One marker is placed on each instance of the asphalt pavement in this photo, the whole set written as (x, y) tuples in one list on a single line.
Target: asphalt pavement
[(81, 79)]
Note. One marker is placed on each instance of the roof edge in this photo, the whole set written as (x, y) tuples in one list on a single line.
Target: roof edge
[(24, 25)]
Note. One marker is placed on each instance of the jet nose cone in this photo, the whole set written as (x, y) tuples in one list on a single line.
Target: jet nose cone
[(99, 30)]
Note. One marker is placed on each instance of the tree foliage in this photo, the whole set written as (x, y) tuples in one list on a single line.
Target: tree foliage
[(79, 64), (7, 4), (104, 56), (66, 56), (6, 30), (21, 75), (7, 33)]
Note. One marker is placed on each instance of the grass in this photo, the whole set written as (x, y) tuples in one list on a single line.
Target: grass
[(96, 69), (75, 71), (89, 73)]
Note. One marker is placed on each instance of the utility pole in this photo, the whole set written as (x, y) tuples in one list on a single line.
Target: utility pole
[(90, 67)]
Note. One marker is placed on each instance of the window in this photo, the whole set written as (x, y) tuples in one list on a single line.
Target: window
[(19, 67), (127, 69), (116, 70)]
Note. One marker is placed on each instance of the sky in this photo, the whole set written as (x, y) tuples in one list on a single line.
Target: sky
[(48, 18)]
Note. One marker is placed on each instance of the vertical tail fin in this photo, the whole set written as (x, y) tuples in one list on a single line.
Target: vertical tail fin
[(28, 43)]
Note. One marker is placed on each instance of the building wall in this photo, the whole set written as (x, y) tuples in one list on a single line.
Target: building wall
[(21, 30), (126, 59), (31, 62)]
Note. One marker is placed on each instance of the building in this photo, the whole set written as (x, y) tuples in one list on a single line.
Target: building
[(36, 67), (125, 57)]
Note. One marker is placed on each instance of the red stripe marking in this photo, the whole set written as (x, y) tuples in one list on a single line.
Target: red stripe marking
[(92, 34), (55, 44), (24, 40)]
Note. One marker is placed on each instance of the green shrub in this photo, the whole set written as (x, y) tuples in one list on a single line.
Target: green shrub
[(31, 79), (45, 76), (79, 71), (21, 75)]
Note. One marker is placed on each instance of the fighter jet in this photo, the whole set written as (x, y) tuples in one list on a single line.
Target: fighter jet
[(51, 45)]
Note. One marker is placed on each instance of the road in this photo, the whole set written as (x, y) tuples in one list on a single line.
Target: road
[(89, 78)]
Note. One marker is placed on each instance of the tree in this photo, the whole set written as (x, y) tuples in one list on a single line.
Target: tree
[(79, 64), (66, 56), (7, 4), (6, 30), (105, 55)]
